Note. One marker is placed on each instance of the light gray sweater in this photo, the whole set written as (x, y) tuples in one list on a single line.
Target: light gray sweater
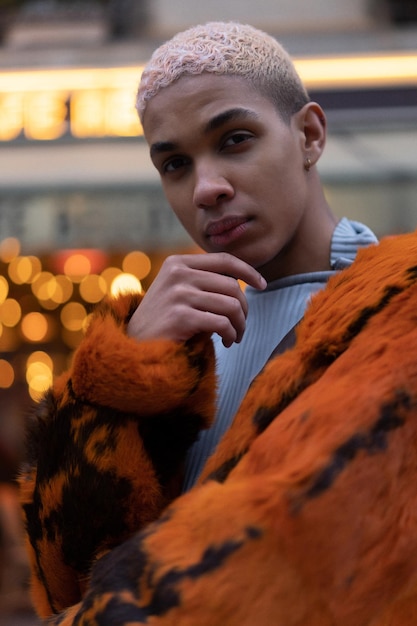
[(272, 313)]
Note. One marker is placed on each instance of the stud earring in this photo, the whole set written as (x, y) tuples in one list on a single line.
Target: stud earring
[(307, 164)]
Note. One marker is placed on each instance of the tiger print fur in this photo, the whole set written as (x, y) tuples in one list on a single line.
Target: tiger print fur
[(305, 514), (103, 461)]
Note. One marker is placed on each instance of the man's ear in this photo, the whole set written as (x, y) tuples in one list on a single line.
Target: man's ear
[(312, 125)]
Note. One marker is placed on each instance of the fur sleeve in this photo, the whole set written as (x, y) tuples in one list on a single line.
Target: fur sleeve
[(106, 447), (314, 522)]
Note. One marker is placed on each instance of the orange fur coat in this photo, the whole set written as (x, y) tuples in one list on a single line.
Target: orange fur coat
[(305, 514)]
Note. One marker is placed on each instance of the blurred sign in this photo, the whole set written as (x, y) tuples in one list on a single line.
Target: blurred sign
[(100, 102), (50, 104)]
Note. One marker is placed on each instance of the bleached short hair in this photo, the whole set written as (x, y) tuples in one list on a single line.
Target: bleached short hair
[(226, 48)]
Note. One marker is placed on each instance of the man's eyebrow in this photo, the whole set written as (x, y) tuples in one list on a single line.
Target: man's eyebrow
[(229, 116), (162, 146)]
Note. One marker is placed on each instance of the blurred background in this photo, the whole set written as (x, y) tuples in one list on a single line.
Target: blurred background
[(81, 210)]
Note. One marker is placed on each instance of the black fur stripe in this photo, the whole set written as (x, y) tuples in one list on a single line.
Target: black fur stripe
[(373, 441)]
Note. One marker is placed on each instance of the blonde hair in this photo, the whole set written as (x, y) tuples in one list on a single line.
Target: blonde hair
[(226, 48)]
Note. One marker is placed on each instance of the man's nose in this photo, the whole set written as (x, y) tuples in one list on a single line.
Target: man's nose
[(211, 186)]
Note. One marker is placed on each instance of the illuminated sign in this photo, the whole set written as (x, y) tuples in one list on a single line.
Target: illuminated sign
[(99, 102), (376, 70), (51, 104)]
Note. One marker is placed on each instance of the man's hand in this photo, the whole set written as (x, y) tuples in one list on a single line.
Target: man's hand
[(196, 293)]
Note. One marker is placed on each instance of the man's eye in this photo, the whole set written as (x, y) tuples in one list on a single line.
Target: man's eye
[(174, 164), (237, 138)]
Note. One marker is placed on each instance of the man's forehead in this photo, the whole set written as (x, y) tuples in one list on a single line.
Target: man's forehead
[(201, 91)]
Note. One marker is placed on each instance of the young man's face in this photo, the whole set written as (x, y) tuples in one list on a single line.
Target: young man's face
[(232, 169)]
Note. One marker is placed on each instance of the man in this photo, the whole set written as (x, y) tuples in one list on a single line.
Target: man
[(236, 141), (241, 176)]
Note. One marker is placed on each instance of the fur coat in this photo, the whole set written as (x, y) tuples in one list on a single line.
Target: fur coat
[(305, 514)]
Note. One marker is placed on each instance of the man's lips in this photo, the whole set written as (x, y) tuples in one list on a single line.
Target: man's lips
[(226, 230), (221, 227)]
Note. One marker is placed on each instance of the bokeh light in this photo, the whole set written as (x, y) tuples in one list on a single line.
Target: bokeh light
[(77, 266), (62, 289), (39, 356), (4, 289), (109, 274), (125, 283), (53, 290), (73, 316), (39, 373), (10, 312), (93, 288), (46, 301), (35, 327), (137, 263), (6, 374), (9, 249), (23, 269), (41, 286)]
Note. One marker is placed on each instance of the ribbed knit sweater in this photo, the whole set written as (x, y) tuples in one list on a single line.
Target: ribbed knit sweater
[(272, 313)]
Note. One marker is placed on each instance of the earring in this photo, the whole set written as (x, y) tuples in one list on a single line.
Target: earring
[(307, 164)]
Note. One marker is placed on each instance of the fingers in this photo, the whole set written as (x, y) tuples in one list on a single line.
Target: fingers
[(204, 289), (223, 314), (226, 264), (194, 294)]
